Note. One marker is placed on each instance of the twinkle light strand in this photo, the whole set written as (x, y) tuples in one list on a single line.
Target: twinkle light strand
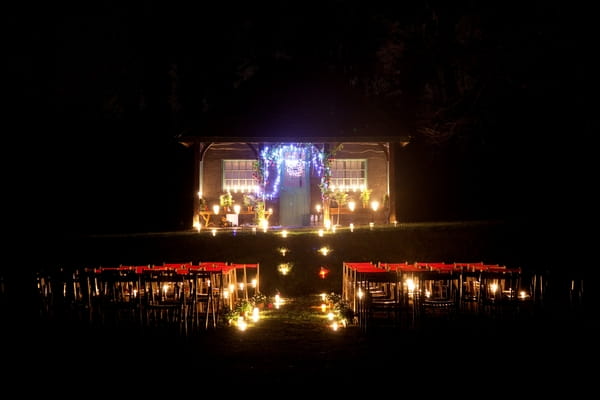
[(295, 157)]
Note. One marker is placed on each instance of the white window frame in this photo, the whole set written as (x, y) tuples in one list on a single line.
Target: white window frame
[(348, 174), (238, 175)]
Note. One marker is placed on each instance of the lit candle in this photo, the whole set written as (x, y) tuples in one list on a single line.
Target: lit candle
[(374, 205)]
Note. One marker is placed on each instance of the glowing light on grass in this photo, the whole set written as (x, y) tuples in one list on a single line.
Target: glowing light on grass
[(320, 232), (241, 324), (323, 272), (327, 224), (325, 250), (283, 251), (371, 225), (334, 326), (284, 233), (284, 268), (255, 314), (214, 232), (330, 316), (351, 227), (323, 307), (278, 301)]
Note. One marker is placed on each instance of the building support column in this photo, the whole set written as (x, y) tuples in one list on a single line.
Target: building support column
[(392, 184), (197, 189), (199, 152)]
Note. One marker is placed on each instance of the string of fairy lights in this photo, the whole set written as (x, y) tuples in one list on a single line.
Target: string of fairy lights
[(295, 158)]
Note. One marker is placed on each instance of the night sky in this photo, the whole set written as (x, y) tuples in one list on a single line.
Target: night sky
[(498, 98)]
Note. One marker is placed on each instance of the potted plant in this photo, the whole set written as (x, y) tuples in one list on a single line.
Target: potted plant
[(226, 201), (259, 211), (249, 201), (341, 199), (365, 196), (243, 308)]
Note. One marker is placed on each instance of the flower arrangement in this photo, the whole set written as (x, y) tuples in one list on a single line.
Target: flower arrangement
[(258, 299), (241, 308), (333, 298), (341, 308), (344, 312)]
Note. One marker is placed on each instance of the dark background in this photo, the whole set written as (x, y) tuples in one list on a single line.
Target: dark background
[(498, 99)]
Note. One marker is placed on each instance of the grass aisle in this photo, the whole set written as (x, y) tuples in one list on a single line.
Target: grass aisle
[(294, 338)]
